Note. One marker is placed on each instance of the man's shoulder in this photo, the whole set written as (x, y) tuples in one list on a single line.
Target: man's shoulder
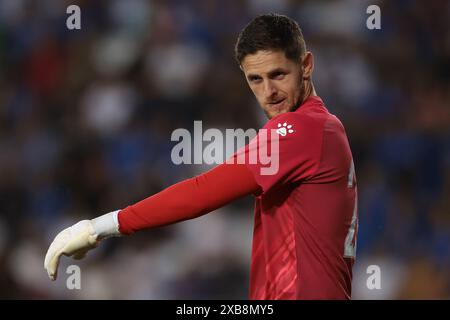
[(299, 118), (311, 115)]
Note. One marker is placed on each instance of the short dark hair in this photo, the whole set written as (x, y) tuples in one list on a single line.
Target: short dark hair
[(271, 32)]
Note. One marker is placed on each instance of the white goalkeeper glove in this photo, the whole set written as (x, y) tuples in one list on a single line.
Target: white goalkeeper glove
[(78, 239)]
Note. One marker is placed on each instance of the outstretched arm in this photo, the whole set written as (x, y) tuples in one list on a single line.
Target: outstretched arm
[(185, 200), (190, 198)]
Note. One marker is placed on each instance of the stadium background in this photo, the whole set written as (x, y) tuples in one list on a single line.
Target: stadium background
[(86, 118)]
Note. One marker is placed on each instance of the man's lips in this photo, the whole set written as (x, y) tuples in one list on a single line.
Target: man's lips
[(276, 104)]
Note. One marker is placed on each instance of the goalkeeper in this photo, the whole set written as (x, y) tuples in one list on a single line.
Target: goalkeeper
[(305, 219)]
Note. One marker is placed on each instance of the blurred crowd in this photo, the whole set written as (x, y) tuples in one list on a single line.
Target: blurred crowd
[(86, 118)]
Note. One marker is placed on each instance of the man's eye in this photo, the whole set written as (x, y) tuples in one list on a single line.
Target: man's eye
[(255, 79), (279, 75)]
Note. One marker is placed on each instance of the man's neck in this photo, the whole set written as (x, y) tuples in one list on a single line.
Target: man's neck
[(309, 90)]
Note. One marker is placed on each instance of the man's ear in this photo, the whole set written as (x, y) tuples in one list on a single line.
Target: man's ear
[(307, 65)]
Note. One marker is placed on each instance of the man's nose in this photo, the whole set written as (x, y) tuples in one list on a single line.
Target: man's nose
[(269, 89)]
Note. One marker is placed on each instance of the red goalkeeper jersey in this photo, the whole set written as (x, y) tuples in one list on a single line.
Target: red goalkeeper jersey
[(306, 217), (305, 213)]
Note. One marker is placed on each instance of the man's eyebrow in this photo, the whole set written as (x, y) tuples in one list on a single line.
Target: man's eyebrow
[(276, 71), (252, 76), (270, 74)]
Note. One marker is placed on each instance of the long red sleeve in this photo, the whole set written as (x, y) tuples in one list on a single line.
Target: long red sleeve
[(190, 198)]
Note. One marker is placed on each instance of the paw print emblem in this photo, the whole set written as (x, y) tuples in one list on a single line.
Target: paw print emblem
[(284, 129)]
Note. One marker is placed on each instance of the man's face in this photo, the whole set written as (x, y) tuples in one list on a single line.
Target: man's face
[(275, 80)]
